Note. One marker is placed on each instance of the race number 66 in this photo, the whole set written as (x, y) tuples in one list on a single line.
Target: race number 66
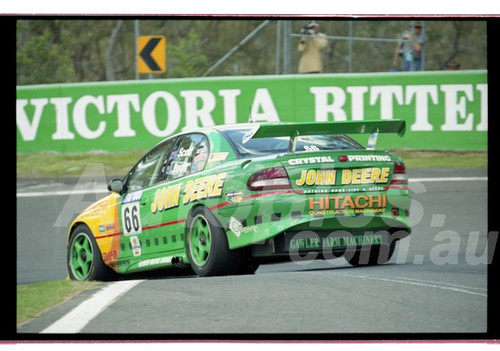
[(131, 219)]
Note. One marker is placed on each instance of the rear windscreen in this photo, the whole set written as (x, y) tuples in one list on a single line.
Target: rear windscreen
[(262, 146)]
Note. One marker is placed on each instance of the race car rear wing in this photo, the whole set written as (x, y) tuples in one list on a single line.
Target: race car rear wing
[(293, 130)]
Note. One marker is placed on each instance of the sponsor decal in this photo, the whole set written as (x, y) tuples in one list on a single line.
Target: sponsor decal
[(343, 190), (218, 156), (110, 256), (310, 160), (185, 152), (305, 243), (155, 261), (125, 262), (369, 158), (200, 157), (136, 246), (235, 196), (166, 198), (96, 209), (341, 204), (357, 176), (365, 175), (334, 242), (317, 177), (204, 187), (132, 197), (106, 227), (237, 228), (179, 168)]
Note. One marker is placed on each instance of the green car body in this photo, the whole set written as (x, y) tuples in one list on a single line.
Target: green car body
[(224, 199)]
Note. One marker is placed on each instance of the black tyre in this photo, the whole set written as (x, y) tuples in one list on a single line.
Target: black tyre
[(84, 259), (248, 268), (207, 246), (374, 256)]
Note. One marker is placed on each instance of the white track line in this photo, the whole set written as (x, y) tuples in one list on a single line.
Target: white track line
[(62, 192), (75, 320), (424, 283), (104, 191), (447, 179)]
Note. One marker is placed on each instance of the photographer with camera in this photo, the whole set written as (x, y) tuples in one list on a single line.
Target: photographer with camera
[(311, 45), (410, 47)]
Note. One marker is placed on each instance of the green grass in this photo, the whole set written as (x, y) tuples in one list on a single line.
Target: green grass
[(34, 299), (443, 159), (57, 165)]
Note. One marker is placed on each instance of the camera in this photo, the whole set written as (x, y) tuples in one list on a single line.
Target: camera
[(307, 29)]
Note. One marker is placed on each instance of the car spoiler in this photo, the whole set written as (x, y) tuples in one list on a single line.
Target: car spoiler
[(293, 130)]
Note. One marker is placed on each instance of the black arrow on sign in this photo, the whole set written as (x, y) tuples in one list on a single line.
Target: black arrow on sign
[(146, 51)]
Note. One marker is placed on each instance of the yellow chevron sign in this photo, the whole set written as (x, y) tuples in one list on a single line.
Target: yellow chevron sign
[(151, 54)]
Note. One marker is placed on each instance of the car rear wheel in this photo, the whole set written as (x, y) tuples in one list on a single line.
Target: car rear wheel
[(248, 268), (207, 245), (84, 258), (373, 256)]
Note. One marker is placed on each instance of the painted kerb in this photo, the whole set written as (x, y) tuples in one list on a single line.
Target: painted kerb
[(444, 110)]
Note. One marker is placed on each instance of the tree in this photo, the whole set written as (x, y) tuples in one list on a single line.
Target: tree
[(90, 49)]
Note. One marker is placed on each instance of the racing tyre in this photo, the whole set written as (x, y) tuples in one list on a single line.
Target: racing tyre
[(248, 268), (247, 265), (207, 246), (84, 258), (376, 255)]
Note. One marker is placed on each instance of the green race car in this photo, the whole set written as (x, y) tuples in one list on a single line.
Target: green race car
[(225, 199)]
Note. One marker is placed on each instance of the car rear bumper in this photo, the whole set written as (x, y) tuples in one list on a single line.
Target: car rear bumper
[(254, 220)]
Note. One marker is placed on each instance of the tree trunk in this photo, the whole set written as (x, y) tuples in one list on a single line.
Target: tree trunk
[(110, 70)]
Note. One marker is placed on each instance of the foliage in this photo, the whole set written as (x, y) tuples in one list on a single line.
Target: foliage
[(33, 299), (64, 50)]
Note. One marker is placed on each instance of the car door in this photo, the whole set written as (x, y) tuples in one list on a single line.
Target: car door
[(188, 156), (135, 214)]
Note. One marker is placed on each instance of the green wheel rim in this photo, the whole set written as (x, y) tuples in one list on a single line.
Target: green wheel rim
[(81, 256), (200, 240)]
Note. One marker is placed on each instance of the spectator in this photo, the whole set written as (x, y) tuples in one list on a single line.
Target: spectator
[(410, 47), (311, 45)]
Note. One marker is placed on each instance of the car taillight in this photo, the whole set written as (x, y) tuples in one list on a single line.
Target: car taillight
[(269, 179), (399, 175)]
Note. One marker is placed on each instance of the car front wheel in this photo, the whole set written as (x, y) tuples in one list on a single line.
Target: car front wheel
[(84, 258)]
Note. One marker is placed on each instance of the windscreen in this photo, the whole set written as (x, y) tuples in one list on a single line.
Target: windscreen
[(262, 146)]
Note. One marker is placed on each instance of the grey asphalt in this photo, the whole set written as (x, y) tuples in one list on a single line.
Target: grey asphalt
[(436, 281)]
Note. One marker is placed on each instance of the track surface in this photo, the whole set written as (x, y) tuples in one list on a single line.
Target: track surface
[(436, 281)]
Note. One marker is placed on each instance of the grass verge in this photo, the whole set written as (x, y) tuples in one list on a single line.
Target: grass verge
[(57, 165), (34, 299), (443, 159)]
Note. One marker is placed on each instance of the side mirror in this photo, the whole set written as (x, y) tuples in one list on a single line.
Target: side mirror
[(116, 185)]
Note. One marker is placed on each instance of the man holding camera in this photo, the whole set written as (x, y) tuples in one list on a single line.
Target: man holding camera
[(410, 47), (311, 45)]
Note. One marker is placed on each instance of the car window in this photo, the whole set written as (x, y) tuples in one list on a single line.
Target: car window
[(262, 146), (189, 155), (148, 169)]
